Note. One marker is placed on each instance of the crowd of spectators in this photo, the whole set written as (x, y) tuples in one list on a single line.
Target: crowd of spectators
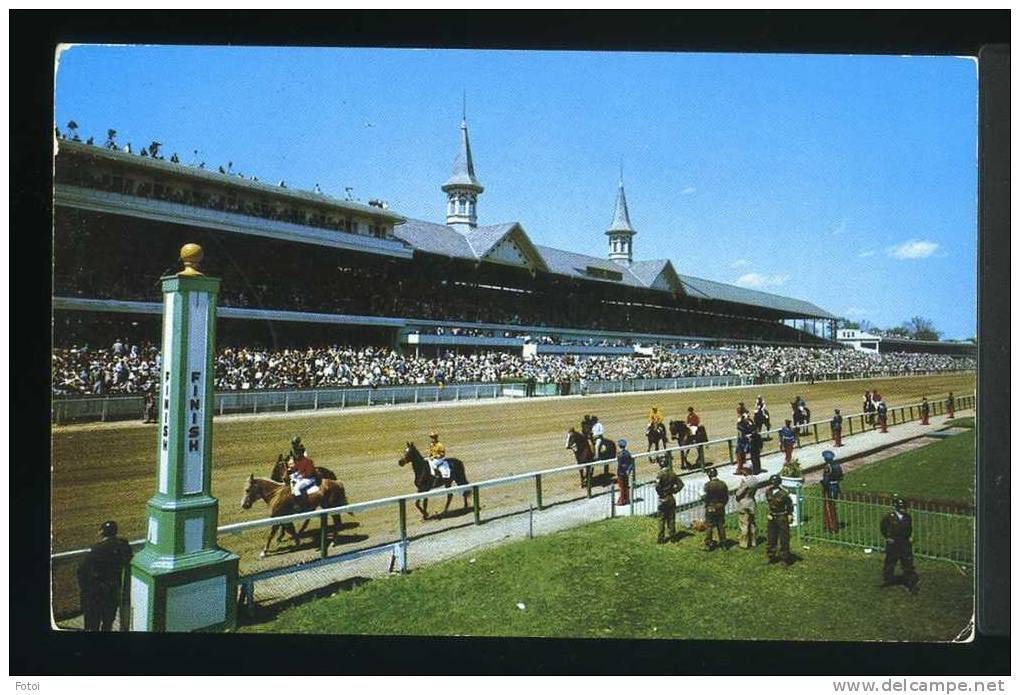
[(132, 369)]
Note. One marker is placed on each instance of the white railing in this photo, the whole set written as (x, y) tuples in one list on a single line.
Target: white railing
[(937, 407)]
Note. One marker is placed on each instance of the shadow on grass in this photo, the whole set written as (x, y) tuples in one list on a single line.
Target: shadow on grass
[(257, 613)]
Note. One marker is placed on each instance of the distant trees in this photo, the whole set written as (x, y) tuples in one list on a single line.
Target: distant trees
[(921, 328)]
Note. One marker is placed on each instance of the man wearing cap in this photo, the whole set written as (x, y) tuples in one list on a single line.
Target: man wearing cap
[(624, 469), (883, 414), (951, 406), (787, 439), (780, 509), (832, 473), (746, 508), (437, 457), (925, 410), (897, 528), (836, 425), (598, 431), (667, 484), (101, 578), (304, 475), (717, 494)]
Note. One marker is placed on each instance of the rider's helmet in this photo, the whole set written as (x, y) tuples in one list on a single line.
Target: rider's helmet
[(433, 435)]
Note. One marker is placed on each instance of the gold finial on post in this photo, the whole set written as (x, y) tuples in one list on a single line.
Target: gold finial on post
[(191, 256)]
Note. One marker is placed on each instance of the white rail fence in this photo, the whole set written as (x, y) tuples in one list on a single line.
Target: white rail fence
[(645, 469)]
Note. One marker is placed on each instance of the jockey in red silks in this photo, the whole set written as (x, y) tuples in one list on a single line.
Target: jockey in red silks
[(304, 475)]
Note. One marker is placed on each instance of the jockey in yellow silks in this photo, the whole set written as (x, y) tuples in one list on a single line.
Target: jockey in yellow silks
[(437, 457), (654, 418)]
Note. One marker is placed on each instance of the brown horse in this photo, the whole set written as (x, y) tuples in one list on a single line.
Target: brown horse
[(581, 446), (424, 480), (281, 503)]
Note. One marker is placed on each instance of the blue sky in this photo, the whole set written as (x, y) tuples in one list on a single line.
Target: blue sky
[(848, 181)]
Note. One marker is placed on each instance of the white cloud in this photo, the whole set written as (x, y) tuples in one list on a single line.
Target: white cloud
[(915, 248), (688, 190), (761, 280), (866, 254), (739, 263)]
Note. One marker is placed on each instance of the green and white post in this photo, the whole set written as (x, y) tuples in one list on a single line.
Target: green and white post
[(182, 580)]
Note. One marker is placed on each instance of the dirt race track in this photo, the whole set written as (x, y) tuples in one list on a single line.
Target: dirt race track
[(108, 471)]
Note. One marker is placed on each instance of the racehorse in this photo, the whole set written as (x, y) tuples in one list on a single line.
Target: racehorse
[(607, 450), (282, 502), (283, 464), (656, 434), (801, 413), (761, 418), (581, 447), (681, 434), (424, 480)]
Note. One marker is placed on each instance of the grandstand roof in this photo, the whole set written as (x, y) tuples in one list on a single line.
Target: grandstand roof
[(167, 166), (710, 289)]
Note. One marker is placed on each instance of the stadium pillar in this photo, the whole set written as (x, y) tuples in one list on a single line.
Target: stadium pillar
[(182, 581)]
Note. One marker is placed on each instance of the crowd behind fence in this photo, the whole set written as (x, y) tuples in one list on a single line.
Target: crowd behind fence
[(541, 490), (66, 410)]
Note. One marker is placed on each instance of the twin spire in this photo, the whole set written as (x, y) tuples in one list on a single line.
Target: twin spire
[(463, 188)]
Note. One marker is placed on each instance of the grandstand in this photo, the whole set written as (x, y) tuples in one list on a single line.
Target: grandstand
[(302, 269)]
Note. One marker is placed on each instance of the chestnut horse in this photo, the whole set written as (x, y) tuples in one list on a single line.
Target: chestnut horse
[(281, 503)]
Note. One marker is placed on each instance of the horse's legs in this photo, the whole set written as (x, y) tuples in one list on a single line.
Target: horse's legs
[(303, 527), (272, 534)]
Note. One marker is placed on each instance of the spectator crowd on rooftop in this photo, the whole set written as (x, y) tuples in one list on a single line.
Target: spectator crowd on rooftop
[(134, 369)]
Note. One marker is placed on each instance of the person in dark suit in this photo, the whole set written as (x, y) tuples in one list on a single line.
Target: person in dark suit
[(101, 578), (898, 530), (717, 494)]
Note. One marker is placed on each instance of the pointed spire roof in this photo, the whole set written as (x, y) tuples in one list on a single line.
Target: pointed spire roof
[(463, 166), (621, 218)]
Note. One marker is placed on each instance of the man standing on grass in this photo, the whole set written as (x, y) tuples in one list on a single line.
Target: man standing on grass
[(832, 473), (717, 494), (898, 530), (780, 511), (746, 508), (667, 484)]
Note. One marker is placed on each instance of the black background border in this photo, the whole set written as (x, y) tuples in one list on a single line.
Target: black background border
[(35, 649)]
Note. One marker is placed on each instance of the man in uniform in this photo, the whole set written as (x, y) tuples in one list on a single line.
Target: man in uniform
[(667, 484), (787, 439), (836, 425), (898, 530), (883, 414), (437, 457), (832, 473), (101, 577), (746, 508), (780, 509), (951, 405), (925, 410), (756, 444), (717, 494), (624, 469), (744, 429)]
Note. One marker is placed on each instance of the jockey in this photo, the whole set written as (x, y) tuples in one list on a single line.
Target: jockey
[(304, 475), (759, 405), (437, 457), (654, 418), (597, 432), (692, 418)]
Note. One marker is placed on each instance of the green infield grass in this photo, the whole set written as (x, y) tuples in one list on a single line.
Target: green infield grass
[(610, 579), (942, 470)]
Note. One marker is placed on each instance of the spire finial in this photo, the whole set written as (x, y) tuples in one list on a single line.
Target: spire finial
[(621, 172), (463, 112)]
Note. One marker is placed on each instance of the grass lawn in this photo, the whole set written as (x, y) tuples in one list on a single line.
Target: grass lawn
[(942, 470), (610, 579)]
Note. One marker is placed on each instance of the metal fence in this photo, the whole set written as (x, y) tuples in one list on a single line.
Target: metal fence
[(942, 530), (533, 502), (110, 408)]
